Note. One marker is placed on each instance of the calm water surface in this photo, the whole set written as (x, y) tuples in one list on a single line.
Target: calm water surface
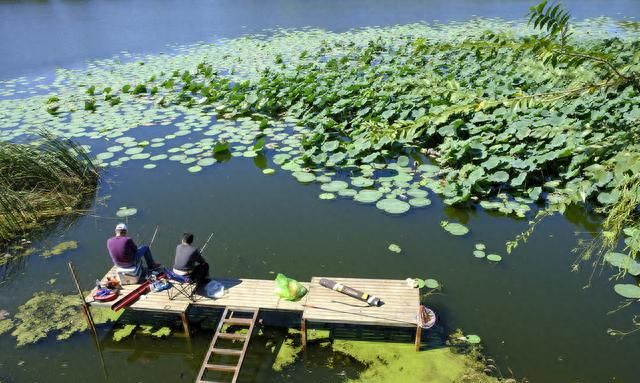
[(531, 311)]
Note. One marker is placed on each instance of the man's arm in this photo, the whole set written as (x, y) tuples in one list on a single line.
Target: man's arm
[(198, 257), (131, 247)]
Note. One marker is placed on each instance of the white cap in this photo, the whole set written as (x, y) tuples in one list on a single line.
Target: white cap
[(121, 226)]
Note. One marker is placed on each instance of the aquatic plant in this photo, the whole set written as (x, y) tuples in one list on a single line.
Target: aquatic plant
[(60, 248), (53, 313), (40, 181)]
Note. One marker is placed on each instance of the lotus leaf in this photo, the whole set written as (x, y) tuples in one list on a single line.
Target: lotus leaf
[(419, 202), (347, 192), (334, 186), (623, 261), (393, 206), (361, 182), (478, 253), (494, 258), (327, 196), (124, 212), (367, 196), (454, 228), (627, 290), (304, 177), (395, 248), (431, 283), (268, 171)]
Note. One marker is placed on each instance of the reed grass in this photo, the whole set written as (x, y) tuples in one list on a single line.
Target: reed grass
[(42, 180)]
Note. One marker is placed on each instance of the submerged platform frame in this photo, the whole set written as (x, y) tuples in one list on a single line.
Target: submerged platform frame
[(320, 305)]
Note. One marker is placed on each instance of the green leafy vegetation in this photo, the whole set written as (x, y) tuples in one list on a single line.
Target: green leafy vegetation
[(40, 181)]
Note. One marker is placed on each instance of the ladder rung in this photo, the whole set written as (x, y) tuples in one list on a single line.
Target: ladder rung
[(232, 336), (209, 381), (221, 367), (225, 351), (239, 321)]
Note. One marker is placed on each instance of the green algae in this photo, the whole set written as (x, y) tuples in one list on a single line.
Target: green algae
[(392, 362), (129, 329), (290, 349), (159, 333), (49, 313), (60, 248), (6, 325), (287, 354), (123, 332)]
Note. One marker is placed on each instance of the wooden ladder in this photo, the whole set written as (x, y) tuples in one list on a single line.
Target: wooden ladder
[(228, 318)]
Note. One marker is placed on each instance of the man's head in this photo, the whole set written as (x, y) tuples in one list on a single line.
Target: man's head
[(121, 229), (187, 238)]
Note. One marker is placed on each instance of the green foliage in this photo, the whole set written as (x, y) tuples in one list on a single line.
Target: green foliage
[(38, 181)]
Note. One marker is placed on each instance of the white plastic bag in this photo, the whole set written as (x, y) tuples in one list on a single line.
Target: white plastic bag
[(214, 289)]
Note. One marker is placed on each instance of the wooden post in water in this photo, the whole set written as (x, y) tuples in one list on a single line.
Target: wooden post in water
[(303, 334), (185, 324), (418, 337), (85, 306)]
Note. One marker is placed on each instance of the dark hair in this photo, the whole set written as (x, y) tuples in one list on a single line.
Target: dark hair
[(187, 237)]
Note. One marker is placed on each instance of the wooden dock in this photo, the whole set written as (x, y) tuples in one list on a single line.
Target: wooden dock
[(320, 305)]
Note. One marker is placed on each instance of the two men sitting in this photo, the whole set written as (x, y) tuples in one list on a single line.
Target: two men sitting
[(189, 264)]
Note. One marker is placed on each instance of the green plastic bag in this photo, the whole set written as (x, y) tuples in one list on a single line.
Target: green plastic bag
[(289, 289)]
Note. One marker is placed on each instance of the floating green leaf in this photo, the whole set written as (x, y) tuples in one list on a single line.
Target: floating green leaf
[(395, 248), (454, 228), (627, 290), (124, 212), (473, 339), (367, 196), (393, 206), (431, 283), (494, 258)]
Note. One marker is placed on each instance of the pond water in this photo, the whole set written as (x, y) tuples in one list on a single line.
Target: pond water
[(532, 312)]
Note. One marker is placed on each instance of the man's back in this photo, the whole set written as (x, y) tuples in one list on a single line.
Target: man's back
[(122, 250), (186, 257)]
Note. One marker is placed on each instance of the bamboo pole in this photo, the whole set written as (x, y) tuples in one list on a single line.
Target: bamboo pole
[(90, 322), (85, 305)]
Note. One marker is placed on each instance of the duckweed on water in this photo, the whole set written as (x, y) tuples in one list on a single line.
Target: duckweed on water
[(60, 248), (389, 362), (53, 313)]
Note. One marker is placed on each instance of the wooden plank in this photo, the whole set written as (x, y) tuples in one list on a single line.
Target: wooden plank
[(401, 303)]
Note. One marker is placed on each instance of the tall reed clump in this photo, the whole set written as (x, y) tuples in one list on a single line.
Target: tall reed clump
[(42, 180)]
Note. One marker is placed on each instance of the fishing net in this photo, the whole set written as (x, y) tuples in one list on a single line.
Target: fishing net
[(289, 289)]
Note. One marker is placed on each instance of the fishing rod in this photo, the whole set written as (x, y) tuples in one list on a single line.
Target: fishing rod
[(206, 243), (359, 314), (154, 236), (425, 318)]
